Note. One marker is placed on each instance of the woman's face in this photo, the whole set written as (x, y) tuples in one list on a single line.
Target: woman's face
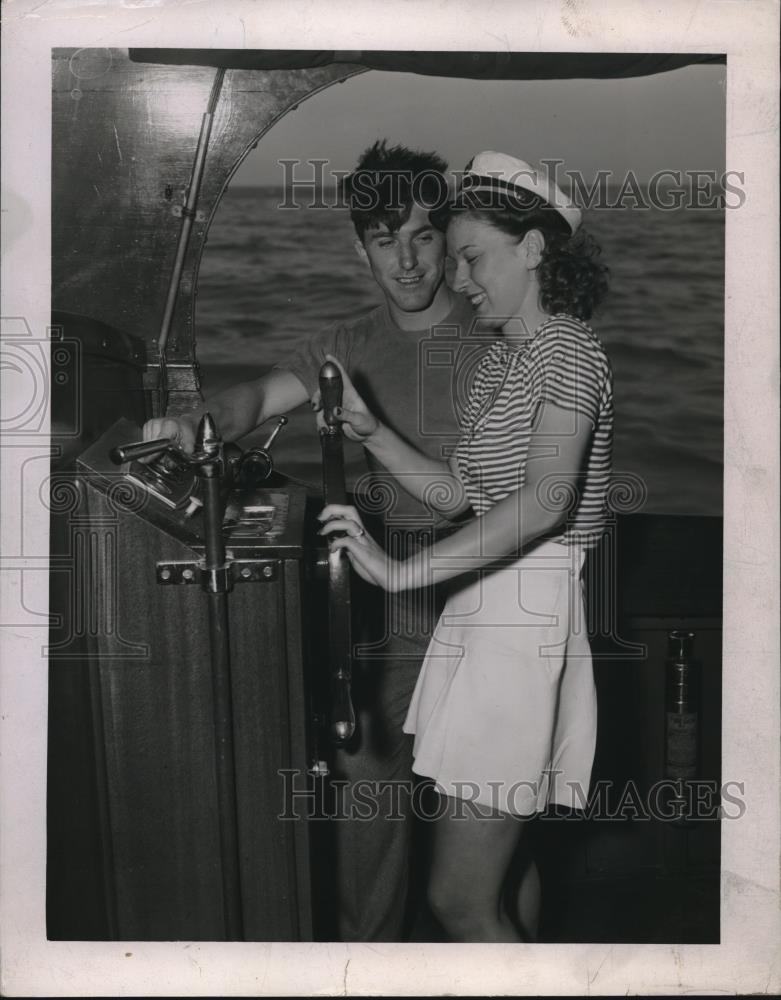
[(489, 267)]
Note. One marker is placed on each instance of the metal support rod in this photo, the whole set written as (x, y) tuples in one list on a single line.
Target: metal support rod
[(214, 543), (223, 706), (188, 215), (226, 769)]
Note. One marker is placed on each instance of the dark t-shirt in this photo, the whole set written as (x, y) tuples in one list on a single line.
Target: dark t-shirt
[(415, 381)]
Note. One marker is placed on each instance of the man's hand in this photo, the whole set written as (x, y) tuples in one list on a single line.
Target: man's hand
[(181, 431), (357, 422)]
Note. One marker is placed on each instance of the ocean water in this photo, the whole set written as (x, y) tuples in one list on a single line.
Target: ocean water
[(270, 278)]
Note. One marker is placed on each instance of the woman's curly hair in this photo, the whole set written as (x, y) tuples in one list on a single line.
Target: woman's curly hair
[(571, 276)]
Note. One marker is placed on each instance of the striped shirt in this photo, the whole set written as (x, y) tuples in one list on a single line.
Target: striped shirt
[(562, 363)]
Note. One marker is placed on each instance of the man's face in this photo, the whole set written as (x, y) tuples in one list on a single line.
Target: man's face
[(408, 264)]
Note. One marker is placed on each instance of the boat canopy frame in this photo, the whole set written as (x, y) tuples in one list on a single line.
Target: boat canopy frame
[(137, 176)]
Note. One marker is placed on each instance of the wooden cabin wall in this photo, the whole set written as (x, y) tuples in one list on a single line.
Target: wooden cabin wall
[(96, 378), (668, 575)]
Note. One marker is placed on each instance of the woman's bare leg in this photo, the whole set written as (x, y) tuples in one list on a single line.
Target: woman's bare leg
[(527, 900), (471, 857)]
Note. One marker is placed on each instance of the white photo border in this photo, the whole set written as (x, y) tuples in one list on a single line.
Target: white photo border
[(747, 960)]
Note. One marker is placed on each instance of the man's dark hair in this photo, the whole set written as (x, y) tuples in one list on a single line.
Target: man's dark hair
[(386, 183)]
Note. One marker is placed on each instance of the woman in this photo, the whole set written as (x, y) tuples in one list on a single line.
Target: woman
[(504, 712)]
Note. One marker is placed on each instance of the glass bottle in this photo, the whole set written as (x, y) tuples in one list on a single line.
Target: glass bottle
[(682, 723)]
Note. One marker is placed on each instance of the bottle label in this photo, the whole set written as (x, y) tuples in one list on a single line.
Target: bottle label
[(682, 745)]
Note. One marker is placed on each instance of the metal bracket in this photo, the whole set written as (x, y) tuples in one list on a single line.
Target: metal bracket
[(180, 210), (234, 571)]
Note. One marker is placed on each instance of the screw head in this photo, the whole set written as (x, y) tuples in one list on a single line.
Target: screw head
[(246, 572), (165, 574), (268, 571), (187, 574)]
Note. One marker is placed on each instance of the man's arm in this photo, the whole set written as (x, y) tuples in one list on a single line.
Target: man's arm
[(236, 410)]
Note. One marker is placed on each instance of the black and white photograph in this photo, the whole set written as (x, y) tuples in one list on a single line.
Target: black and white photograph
[(389, 466)]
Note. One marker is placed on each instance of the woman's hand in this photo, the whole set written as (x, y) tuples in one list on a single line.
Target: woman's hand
[(358, 423), (368, 559)]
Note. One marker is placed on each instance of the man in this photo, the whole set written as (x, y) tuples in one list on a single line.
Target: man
[(382, 352)]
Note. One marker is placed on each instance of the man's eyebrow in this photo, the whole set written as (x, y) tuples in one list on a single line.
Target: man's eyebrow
[(377, 234), (466, 246)]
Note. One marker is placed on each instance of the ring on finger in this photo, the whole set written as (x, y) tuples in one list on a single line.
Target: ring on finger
[(359, 532)]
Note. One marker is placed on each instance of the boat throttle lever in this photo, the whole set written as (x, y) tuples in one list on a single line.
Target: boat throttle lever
[(169, 473), (141, 449), (255, 465), (342, 714)]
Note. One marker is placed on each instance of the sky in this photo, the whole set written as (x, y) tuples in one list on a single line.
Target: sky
[(672, 121)]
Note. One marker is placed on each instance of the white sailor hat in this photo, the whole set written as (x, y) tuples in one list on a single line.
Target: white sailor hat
[(514, 180)]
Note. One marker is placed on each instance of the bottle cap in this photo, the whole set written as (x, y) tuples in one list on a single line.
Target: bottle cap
[(679, 644)]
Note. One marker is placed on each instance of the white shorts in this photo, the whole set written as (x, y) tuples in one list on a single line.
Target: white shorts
[(504, 712)]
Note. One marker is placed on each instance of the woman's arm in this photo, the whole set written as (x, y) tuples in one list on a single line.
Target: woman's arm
[(560, 441), (435, 483), (432, 481)]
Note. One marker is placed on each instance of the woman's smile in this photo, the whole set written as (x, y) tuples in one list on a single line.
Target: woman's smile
[(489, 267)]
